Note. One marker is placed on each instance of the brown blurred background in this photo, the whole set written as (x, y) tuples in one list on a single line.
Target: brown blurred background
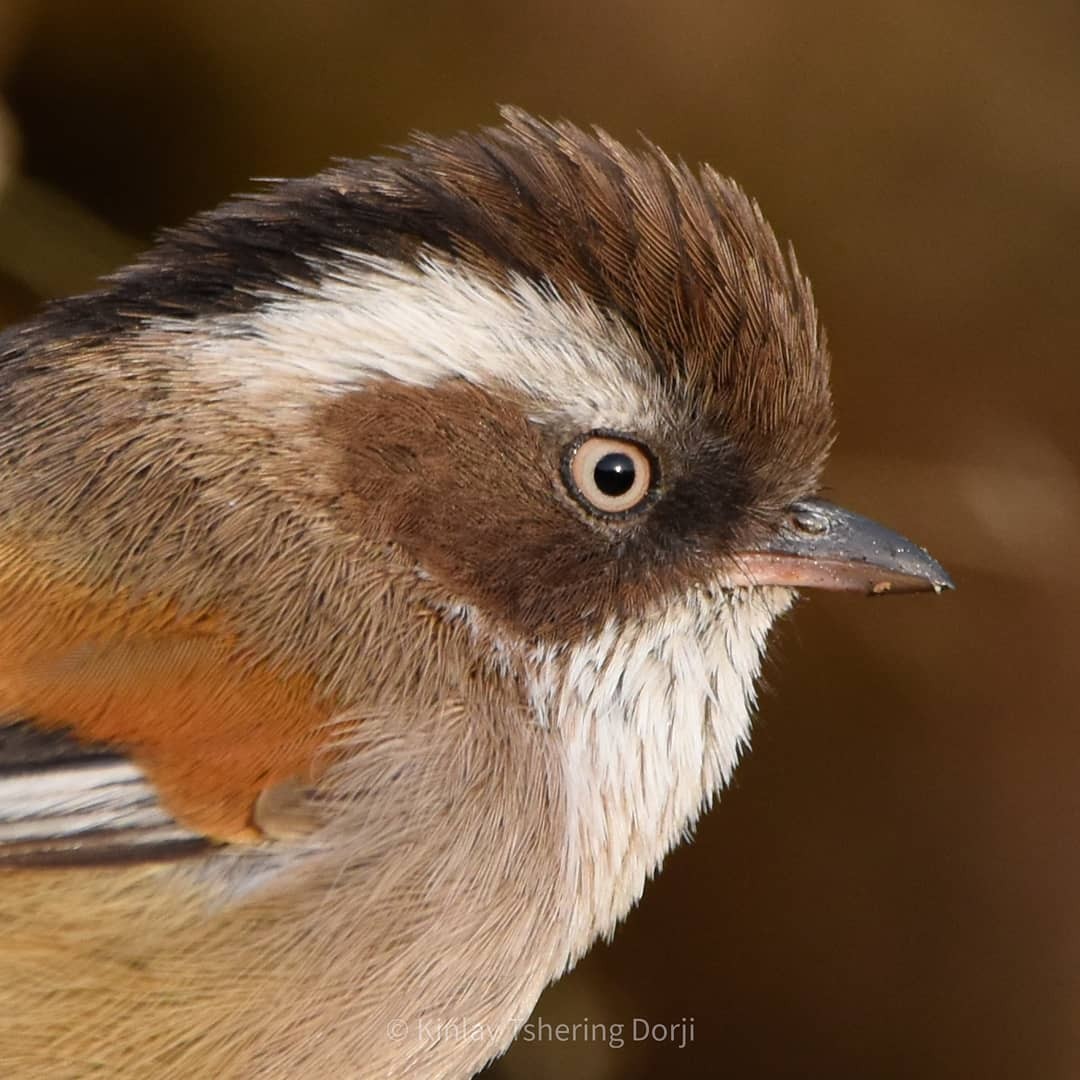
[(892, 886)]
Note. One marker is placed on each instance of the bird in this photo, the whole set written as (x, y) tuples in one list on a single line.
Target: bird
[(387, 560)]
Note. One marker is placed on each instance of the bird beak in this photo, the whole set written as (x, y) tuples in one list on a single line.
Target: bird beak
[(823, 546)]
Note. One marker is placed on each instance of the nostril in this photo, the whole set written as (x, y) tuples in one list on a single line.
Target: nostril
[(810, 522)]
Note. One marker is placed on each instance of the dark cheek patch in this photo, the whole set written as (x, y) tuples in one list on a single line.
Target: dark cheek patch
[(464, 482)]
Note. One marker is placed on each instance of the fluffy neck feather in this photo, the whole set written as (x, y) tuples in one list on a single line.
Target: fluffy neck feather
[(652, 718)]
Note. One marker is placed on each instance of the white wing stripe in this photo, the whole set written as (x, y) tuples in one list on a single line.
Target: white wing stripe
[(69, 800)]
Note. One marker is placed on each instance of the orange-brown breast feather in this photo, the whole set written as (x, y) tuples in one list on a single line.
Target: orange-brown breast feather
[(211, 727)]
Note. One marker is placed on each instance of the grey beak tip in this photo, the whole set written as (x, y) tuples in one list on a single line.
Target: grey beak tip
[(916, 563), (925, 568), (940, 578)]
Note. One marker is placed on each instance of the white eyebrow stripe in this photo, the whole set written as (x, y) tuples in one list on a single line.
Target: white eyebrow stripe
[(371, 318)]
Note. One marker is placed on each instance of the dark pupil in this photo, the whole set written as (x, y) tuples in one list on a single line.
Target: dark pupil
[(614, 474)]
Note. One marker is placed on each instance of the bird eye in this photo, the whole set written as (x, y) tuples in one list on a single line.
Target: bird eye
[(610, 475)]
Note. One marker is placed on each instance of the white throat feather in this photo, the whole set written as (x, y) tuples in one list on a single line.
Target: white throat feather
[(652, 717)]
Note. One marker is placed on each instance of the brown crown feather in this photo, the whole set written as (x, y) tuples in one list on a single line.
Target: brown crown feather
[(686, 259), (683, 258)]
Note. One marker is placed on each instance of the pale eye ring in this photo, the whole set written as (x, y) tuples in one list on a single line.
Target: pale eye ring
[(609, 474)]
